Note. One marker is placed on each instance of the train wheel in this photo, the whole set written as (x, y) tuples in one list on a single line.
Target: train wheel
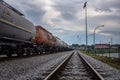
[(7, 52), (29, 52), (20, 53)]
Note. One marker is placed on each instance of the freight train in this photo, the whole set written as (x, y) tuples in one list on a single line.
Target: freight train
[(19, 36)]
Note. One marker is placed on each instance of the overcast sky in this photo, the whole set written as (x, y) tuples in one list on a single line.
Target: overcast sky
[(66, 19)]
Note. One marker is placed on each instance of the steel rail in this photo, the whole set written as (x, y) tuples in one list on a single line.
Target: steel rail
[(53, 74), (91, 68)]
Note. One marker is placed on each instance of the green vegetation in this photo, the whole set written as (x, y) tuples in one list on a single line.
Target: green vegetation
[(114, 62), (107, 51), (104, 51)]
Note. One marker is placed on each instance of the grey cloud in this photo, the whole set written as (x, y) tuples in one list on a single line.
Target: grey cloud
[(104, 18), (67, 9), (111, 32), (56, 20), (107, 5), (34, 12), (103, 9)]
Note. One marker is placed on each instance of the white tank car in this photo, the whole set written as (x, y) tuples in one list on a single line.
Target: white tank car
[(59, 42), (13, 23)]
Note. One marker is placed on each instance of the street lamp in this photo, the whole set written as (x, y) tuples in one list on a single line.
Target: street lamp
[(94, 35)]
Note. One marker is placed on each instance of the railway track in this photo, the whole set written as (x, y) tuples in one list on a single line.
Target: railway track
[(105, 71), (15, 57), (74, 67)]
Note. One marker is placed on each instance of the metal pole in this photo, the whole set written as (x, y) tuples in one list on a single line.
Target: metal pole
[(80, 40), (86, 26), (94, 41), (118, 51), (118, 48), (111, 41), (109, 49), (94, 36)]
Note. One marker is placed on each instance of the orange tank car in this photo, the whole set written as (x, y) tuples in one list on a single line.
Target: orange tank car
[(44, 37)]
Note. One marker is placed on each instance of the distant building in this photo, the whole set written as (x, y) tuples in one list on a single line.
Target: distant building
[(102, 46)]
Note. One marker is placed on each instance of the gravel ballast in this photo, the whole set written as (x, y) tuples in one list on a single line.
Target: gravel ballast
[(108, 72), (74, 70), (30, 68)]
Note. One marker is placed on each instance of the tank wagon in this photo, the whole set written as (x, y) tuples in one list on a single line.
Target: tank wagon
[(19, 36), (44, 40), (61, 45), (16, 32)]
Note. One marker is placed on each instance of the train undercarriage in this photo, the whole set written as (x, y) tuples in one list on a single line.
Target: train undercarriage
[(10, 46)]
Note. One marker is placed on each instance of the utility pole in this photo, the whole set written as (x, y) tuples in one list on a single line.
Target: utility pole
[(111, 41), (85, 7), (109, 49)]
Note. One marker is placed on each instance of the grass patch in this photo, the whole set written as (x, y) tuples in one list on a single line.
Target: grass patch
[(114, 62)]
